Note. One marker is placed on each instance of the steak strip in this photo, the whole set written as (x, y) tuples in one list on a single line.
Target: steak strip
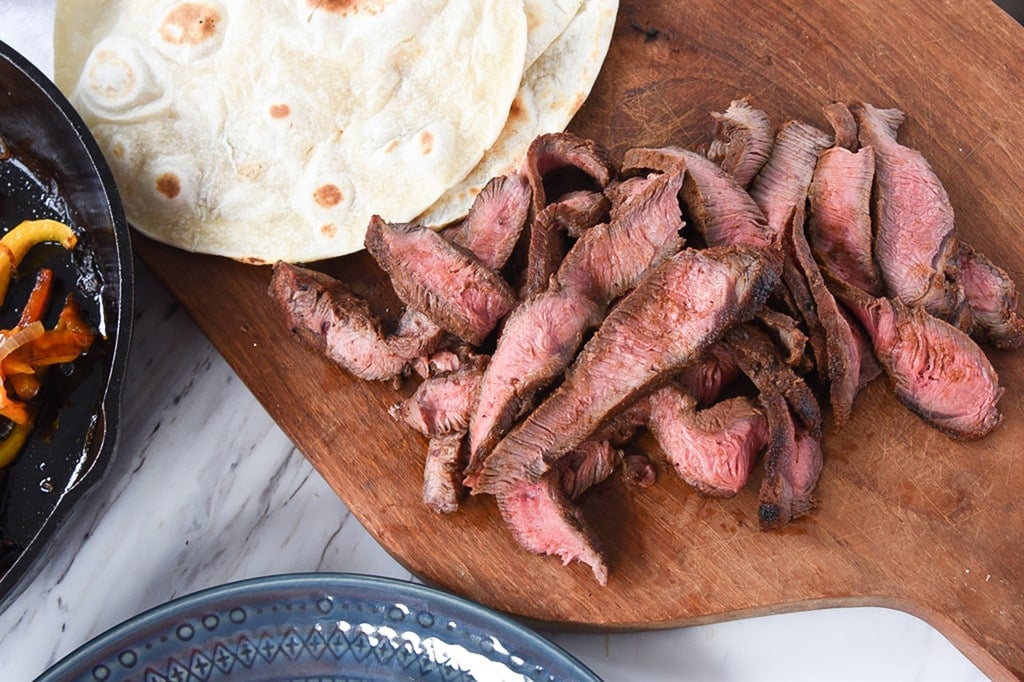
[(782, 183), (713, 449), (447, 283), (720, 208), (915, 241), (991, 299), (839, 221), (672, 317), (328, 317), (936, 370), (542, 335), (742, 141)]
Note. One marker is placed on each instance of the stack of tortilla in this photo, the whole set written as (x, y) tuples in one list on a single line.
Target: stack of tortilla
[(274, 130)]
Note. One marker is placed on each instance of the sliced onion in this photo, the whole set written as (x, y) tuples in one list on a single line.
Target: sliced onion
[(19, 338)]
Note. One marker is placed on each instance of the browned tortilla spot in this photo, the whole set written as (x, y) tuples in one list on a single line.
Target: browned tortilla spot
[(118, 150), (329, 230), (426, 142), (169, 185), (518, 111), (190, 23), (280, 111), (391, 146), (346, 7), (328, 196)]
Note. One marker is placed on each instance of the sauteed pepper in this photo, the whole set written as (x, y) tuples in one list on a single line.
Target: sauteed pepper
[(29, 348)]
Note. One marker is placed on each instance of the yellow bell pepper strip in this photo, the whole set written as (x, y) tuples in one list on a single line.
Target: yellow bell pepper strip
[(17, 242), (11, 446)]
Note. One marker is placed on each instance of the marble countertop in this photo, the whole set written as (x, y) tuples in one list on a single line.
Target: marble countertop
[(206, 489)]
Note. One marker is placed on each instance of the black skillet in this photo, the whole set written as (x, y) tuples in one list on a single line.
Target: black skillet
[(50, 167)]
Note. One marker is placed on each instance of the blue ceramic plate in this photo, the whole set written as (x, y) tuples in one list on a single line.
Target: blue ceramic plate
[(323, 627)]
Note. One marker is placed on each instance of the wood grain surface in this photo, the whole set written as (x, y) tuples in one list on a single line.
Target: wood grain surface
[(907, 518)]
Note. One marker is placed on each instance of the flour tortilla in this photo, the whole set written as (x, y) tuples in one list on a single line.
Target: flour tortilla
[(554, 87), (275, 129)]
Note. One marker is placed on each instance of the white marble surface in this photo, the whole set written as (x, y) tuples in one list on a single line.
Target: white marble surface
[(206, 489)]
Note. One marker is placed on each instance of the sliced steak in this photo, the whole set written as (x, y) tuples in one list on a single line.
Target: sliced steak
[(542, 335), (577, 212), (712, 449), (742, 141), (936, 370), (841, 351), (495, 220), (586, 466), (543, 521), (792, 464), (442, 472), (539, 340), (672, 317), (490, 231), (782, 183), (787, 335), (762, 362), (330, 318), (447, 283), (441, 404), (557, 164), (706, 378), (916, 246), (609, 259), (844, 125), (721, 209), (639, 470), (839, 220), (991, 300)]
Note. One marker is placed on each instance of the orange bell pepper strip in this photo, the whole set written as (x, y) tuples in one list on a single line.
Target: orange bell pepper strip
[(39, 299)]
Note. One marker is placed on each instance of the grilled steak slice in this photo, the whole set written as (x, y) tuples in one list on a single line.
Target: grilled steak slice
[(586, 466), (706, 378), (799, 296), (792, 465), (844, 125), (672, 317), (543, 521), (442, 403), (991, 300), (782, 183), (916, 246), (495, 220), (556, 164), (722, 210), (839, 220), (448, 284), (743, 141), (621, 427), (542, 335), (937, 371), (552, 157), (637, 469), (759, 359), (610, 258), (442, 472), (577, 212), (539, 340), (330, 318), (713, 449), (490, 231), (841, 351), (787, 335)]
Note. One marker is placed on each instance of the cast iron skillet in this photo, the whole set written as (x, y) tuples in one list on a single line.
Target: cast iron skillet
[(50, 167)]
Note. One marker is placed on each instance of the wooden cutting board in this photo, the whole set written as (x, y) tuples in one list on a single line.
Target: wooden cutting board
[(907, 518)]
